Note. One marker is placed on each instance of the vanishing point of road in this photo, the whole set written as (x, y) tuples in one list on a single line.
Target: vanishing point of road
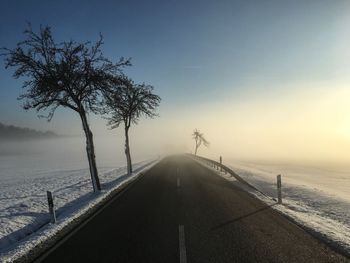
[(181, 211)]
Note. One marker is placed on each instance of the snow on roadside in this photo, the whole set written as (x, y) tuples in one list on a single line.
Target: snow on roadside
[(24, 219), (312, 197), (323, 211)]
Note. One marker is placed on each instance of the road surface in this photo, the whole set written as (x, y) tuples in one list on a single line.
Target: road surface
[(180, 211)]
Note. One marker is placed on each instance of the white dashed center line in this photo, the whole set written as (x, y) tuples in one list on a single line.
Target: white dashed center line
[(182, 246)]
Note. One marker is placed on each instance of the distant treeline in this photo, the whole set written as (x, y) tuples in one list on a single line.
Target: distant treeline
[(10, 132)]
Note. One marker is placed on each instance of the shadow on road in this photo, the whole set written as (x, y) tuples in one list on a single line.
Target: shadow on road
[(241, 217)]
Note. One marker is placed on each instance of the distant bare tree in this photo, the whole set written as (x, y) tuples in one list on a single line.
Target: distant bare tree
[(199, 140), (68, 74), (126, 103)]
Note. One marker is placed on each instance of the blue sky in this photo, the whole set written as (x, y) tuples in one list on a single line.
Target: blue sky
[(197, 54)]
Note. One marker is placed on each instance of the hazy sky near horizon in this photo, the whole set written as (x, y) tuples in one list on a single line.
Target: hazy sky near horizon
[(261, 79)]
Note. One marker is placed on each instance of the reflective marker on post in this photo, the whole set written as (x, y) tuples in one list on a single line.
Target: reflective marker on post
[(51, 207)]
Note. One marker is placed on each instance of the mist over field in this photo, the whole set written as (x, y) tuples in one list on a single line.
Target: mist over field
[(24, 159), (304, 127)]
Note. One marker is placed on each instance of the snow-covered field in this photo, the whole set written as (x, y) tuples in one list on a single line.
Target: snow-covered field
[(60, 166), (317, 197)]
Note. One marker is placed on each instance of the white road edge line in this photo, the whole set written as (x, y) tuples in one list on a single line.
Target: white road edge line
[(182, 246)]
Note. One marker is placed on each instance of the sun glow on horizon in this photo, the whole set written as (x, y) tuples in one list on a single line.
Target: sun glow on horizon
[(309, 123)]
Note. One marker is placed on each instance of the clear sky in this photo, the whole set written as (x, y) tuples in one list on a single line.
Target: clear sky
[(262, 78)]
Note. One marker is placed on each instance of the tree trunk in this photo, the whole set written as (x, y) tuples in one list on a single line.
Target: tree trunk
[(127, 151), (195, 150), (90, 151)]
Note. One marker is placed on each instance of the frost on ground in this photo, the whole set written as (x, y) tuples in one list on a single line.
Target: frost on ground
[(316, 198), (24, 218)]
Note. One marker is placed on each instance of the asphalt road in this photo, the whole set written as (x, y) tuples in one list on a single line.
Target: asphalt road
[(180, 211)]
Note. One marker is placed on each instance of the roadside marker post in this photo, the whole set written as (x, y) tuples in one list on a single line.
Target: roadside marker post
[(279, 189), (51, 207), (221, 163)]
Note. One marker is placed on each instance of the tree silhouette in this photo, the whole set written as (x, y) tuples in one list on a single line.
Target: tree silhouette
[(126, 103), (199, 140), (68, 74)]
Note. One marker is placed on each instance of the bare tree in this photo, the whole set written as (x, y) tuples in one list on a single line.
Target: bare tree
[(199, 140), (126, 103), (68, 74)]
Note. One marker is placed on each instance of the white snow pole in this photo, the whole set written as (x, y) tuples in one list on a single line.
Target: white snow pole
[(51, 207), (279, 189)]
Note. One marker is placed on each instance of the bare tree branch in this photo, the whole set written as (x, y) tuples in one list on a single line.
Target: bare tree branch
[(199, 140), (126, 103), (68, 74)]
